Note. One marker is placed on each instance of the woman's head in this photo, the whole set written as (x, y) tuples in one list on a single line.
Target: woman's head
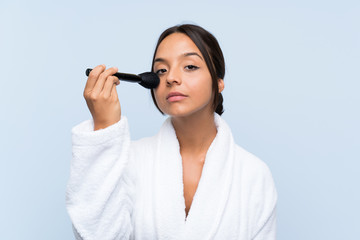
[(199, 62)]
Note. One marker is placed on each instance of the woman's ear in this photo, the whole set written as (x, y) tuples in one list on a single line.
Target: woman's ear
[(221, 85)]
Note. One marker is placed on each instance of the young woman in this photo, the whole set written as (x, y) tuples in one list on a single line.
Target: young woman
[(190, 181)]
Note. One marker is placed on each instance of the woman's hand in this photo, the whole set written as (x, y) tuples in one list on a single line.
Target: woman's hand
[(101, 96)]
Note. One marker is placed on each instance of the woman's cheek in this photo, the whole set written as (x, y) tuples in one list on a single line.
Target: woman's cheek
[(158, 97)]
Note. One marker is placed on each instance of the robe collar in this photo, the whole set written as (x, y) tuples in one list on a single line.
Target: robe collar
[(210, 198)]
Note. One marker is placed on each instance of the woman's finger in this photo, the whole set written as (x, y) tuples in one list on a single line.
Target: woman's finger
[(114, 94), (99, 85), (110, 82), (93, 77)]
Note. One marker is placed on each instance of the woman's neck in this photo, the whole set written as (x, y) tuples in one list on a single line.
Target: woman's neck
[(195, 133)]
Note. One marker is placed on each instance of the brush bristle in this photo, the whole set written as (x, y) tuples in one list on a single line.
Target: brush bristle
[(149, 80)]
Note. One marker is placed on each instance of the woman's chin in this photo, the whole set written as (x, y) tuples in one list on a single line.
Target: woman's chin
[(186, 113)]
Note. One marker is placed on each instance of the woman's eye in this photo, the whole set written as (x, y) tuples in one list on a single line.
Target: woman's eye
[(160, 71), (191, 67)]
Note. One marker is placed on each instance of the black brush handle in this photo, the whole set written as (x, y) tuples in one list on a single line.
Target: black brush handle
[(122, 76)]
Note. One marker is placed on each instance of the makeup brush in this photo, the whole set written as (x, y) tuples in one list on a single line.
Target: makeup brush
[(147, 79)]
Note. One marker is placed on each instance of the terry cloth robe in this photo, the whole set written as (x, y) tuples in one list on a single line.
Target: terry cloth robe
[(122, 189)]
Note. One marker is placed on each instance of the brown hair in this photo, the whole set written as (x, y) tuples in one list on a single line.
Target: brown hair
[(211, 51)]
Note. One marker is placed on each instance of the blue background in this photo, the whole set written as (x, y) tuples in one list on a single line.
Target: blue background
[(291, 98)]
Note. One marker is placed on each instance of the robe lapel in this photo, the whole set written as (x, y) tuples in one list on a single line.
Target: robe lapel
[(169, 199), (212, 192)]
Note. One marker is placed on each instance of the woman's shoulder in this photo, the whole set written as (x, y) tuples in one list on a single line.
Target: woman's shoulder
[(249, 158), (256, 179), (252, 166), (257, 183)]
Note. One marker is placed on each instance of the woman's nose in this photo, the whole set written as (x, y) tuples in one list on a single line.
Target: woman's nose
[(173, 77)]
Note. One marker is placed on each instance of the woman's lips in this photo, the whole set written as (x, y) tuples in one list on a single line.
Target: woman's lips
[(175, 96)]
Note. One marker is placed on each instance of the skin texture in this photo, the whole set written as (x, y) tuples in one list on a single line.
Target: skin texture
[(192, 115)]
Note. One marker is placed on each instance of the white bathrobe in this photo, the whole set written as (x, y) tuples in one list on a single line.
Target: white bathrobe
[(122, 189)]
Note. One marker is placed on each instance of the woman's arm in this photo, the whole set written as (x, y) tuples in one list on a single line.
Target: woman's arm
[(100, 191), (268, 230), (266, 206), (99, 195)]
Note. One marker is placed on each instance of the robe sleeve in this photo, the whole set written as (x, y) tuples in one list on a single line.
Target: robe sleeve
[(268, 231), (100, 190), (266, 227)]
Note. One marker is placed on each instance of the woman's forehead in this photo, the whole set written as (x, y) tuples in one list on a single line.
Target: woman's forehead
[(176, 45)]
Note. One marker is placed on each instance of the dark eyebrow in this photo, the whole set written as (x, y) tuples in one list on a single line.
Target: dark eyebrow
[(159, 60), (184, 55), (193, 53)]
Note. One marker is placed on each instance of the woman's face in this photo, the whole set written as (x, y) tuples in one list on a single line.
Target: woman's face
[(185, 82)]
